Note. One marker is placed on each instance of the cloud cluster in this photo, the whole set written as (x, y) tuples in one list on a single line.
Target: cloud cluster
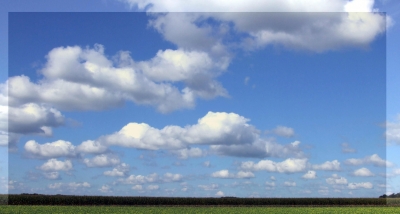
[(328, 165), (307, 26), (55, 149), (336, 180), (290, 165), (373, 159), (56, 165), (119, 171), (226, 174), (151, 178)]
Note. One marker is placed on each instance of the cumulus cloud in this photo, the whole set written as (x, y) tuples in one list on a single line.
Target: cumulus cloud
[(290, 165), (226, 174), (105, 189), (364, 185), (32, 118), (270, 184), (153, 187), (91, 146), (328, 165), (119, 171), (137, 187), (78, 78), (170, 177), (56, 165), (103, 160), (298, 29), (59, 148), (336, 180), (220, 194), (284, 131), (139, 179), (373, 159), (364, 172), (310, 175)]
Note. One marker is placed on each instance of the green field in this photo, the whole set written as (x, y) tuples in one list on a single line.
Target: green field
[(188, 209)]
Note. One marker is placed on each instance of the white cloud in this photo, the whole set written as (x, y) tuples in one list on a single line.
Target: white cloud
[(209, 187), (289, 184), (52, 175), (244, 174), (220, 194), (336, 180), (120, 170), (140, 179), (328, 165), (373, 159), (214, 128), (30, 118), (284, 131), (91, 146), (290, 165), (226, 174), (273, 178), (364, 172), (191, 152), (393, 131), (365, 185), (105, 189), (153, 187), (169, 177), (222, 174), (310, 175), (137, 187), (103, 160), (56, 165), (301, 29), (73, 186), (58, 148)]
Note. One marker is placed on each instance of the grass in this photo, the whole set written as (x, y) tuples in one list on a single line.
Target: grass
[(187, 209)]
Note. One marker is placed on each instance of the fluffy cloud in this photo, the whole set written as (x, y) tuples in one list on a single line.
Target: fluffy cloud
[(153, 187), (169, 177), (270, 184), (373, 159), (56, 165), (220, 194), (139, 179), (328, 165), (103, 160), (105, 189), (310, 175), (120, 170), (55, 149), (86, 79), (299, 29), (284, 131), (137, 187), (336, 180), (91, 146), (365, 185), (226, 174), (32, 118), (363, 172), (290, 165)]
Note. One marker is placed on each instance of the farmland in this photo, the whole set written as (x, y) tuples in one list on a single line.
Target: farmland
[(189, 209)]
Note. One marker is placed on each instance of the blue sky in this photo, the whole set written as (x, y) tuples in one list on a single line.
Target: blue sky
[(200, 104)]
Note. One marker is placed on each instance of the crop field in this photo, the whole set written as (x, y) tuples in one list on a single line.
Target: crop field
[(190, 209)]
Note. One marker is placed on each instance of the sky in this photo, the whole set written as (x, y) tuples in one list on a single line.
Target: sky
[(160, 98)]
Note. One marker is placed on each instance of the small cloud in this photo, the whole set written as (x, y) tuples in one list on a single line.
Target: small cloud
[(364, 172), (246, 80), (289, 184), (220, 194), (310, 175), (347, 149), (207, 163), (284, 131)]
